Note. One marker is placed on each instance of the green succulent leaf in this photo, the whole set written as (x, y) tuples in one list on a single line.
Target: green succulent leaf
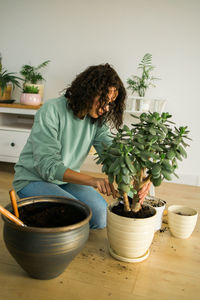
[(182, 151), (171, 154), (126, 179), (110, 178), (166, 175), (156, 170), (130, 165), (157, 181), (124, 187), (166, 166)]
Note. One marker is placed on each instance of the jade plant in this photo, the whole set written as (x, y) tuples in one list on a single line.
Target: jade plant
[(141, 83), (147, 151)]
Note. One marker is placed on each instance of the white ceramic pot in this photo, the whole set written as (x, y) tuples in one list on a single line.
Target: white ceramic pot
[(129, 238), (151, 200), (30, 99), (142, 104), (181, 220)]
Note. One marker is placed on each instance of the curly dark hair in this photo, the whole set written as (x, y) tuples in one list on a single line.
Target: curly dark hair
[(96, 81)]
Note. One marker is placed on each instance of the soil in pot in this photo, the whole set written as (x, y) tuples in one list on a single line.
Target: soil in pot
[(182, 214), (145, 212), (47, 215), (156, 202)]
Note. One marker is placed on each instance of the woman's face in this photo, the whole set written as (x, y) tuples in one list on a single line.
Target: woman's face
[(97, 111)]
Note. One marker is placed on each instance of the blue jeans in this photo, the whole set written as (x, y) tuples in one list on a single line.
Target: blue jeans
[(84, 193)]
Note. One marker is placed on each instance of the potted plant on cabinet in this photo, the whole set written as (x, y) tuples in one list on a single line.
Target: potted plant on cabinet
[(33, 76), (8, 81), (139, 85), (148, 151), (30, 95)]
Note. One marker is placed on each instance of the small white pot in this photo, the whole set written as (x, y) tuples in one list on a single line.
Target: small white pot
[(30, 99), (151, 200), (129, 238), (181, 220)]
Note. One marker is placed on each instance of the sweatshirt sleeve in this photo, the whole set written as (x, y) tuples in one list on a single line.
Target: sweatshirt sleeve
[(102, 137), (47, 146)]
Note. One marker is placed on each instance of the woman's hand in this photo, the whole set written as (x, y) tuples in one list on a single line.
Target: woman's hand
[(104, 186), (143, 192)]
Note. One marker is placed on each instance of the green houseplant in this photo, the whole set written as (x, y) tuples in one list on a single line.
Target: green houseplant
[(30, 89), (148, 151), (8, 80), (139, 84), (30, 95), (33, 76)]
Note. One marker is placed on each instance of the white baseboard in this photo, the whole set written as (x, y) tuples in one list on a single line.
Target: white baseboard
[(91, 166)]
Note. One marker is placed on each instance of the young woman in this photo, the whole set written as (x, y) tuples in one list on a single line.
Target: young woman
[(64, 130)]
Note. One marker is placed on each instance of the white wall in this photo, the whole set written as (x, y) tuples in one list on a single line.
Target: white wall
[(74, 34)]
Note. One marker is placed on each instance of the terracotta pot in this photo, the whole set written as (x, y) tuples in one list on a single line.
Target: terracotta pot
[(7, 93), (44, 253), (30, 99), (130, 238), (182, 220)]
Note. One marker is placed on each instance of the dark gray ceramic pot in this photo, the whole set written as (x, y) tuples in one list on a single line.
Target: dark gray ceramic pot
[(44, 253)]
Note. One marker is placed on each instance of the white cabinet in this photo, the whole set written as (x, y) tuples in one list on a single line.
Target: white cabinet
[(16, 121)]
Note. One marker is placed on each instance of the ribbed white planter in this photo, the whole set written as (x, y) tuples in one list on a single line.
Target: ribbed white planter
[(160, 210), (129, 238), (181, 220), (30, 99)]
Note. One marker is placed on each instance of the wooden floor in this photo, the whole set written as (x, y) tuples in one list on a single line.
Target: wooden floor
[(172, 270)]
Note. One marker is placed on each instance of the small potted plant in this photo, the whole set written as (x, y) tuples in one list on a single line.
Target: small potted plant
[(147, 152), (8, 81), (33, 76), (30, 95), (139, 84)]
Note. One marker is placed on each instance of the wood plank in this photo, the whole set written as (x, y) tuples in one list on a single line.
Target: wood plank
[(18, 105)]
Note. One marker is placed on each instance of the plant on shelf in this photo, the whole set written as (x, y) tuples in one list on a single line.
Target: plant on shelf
[(32, 74), (139, 84), (30, 95), (8, 80), (29, 89), (148, 151)]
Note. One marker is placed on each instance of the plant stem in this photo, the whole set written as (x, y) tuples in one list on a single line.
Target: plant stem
[(136, 206), (126, 202)]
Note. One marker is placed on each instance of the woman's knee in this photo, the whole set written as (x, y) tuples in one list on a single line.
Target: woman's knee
[(99, 216)]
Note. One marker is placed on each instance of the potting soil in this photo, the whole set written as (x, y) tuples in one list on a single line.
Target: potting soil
[(50, 214), (145, 212)]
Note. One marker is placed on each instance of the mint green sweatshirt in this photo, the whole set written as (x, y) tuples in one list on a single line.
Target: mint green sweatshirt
[(58, 141)]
